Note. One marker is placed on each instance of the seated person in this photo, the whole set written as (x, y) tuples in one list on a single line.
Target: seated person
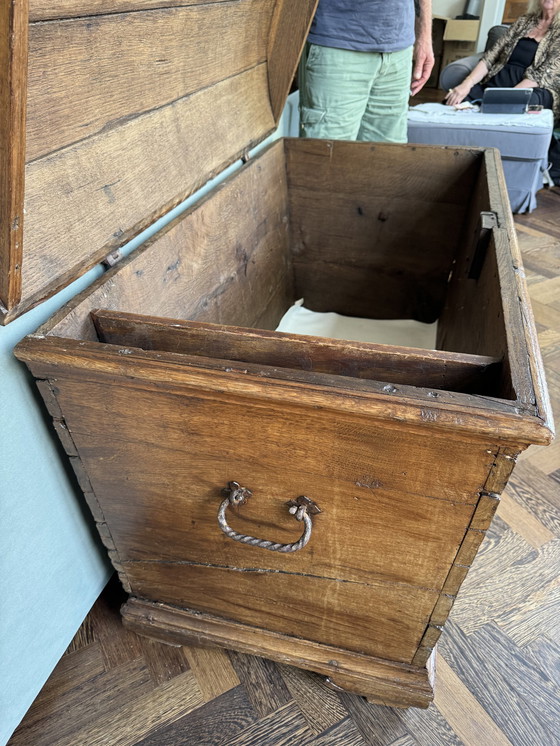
[(526, 56)]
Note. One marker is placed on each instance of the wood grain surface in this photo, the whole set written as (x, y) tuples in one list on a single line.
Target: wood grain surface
[(420, 552), (455, 330), (497, 678), (384, 204), (400, 683), (13, 92), (407, 406), (427, 368), (179, 546), (227, 261), (288, 32), (383, 621), (108, 132), (127, 192), (125, 450), (78, 90), (512, 10), (511, 328), (42, 10), (342, 447)]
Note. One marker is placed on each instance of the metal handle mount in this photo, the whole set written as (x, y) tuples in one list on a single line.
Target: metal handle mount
[(302, 508)]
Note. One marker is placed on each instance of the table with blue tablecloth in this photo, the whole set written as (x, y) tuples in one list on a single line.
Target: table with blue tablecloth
[(522, 139)]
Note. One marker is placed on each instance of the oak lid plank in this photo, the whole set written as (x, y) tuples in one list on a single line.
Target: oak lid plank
[(77, 90), (126, 191), (290, 24), (184, 269), (43, 10), (112, 146), (13, 92)]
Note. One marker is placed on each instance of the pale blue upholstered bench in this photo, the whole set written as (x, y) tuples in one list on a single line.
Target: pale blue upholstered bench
[(522, 139)]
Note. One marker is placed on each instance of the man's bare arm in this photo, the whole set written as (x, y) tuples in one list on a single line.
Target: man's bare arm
[(423, 50)]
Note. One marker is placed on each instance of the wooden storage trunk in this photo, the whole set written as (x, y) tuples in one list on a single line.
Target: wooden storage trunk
[(167, 385)]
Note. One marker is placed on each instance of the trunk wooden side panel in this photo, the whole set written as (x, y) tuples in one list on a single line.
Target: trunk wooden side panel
[(157, 461), (378, 620), (170, 512), (461, 417), (384, 682), (234, 428), (398, 213)]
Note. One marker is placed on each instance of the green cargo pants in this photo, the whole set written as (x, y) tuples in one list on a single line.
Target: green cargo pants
[(347, 95)]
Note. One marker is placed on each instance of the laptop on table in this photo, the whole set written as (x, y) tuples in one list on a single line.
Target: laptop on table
[(506, 100)]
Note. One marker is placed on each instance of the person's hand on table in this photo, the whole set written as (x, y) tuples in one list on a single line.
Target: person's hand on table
[(458, 94)]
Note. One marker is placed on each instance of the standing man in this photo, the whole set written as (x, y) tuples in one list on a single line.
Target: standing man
[(355, 75)]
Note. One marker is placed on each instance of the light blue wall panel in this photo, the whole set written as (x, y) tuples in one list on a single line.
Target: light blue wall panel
[(51, 568)]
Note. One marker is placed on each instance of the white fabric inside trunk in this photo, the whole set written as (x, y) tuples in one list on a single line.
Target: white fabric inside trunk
[(400, 332)]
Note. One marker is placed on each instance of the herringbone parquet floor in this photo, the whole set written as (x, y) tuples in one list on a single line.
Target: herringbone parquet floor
[(499, 657)]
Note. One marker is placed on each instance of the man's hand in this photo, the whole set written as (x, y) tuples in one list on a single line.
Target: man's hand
[(423, 64)]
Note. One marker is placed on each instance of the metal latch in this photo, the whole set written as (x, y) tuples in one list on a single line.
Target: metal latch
[(486, 223)]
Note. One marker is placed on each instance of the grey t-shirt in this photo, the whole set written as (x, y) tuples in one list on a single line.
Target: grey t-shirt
[(364, 25)]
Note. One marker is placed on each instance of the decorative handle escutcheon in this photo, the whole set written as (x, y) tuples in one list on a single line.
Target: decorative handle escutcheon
[(302, 508)]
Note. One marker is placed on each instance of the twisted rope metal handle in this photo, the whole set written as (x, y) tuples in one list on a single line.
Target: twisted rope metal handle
[(302, 508)]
